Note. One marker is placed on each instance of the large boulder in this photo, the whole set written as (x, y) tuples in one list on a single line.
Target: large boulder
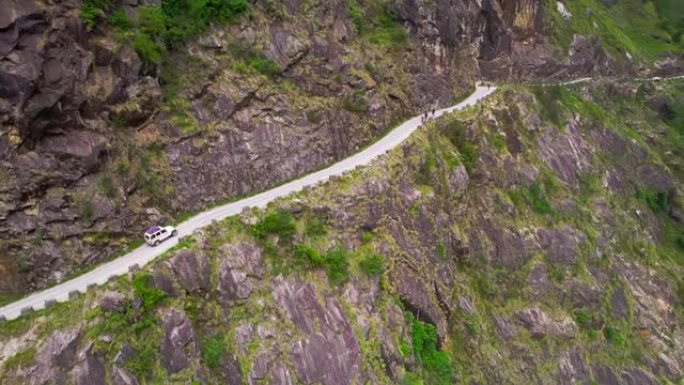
[(561, 246), (90, 369), (567, 153), (122, 377), (573, 369), (541, 324), (329, 352), (112, 301), (240, 268), (55, 357), (191, 269), (179, 346)]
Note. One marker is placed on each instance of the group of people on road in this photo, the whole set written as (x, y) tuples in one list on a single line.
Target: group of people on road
[(427, 115)]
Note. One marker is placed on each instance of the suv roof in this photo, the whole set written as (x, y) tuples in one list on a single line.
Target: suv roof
[(153, 229)]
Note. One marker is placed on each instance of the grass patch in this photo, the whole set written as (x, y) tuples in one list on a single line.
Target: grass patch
[(656, 200), (435, 364), (279, 222), (161, 28), (440, 251), (586, 321), (9, 298), (21, 359), (615, 337), (107, 186), (183, 244), (377, 22), (93, 11), (307, 256), (249, 60), (537, 200), (142, 363), (144, 290), (535, 196), (372, 264), (549, 99), (213, 349), (468, 152), (315, 227), (356, 102), (336, 263), (643, 29)]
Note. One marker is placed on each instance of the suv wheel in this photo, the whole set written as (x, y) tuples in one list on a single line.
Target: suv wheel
[(156, 243), (173, 233)]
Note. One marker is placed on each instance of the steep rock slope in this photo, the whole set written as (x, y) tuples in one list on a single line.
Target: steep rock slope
[(109, 124), (534, 239)]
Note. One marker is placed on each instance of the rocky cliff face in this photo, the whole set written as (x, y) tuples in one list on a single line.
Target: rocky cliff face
[(96, 143), (467, 255)]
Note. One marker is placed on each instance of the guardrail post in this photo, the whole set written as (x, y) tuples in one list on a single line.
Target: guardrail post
[(50, 303)]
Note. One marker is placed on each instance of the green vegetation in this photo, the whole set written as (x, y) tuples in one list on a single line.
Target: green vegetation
[(131, 318), (119, 20), (87, 207), (135, 324), (94, 10), (654, 199), (315, 227), (435, 364), (168, 26), (672, 245), (457, 135), (615, 336), (20, 359), (356, 102), (336, 264), (372, 264), (389, 32), (550, 100), (144, 290), (249, 60), (279, 222), (144, 360), (585, 320), (308, 257), (537, 200), (107, 187), (285, 259), (535, 196), (212, 350), (183, 244), (646, 29), (671, 13), (440, 250), (9, 298), (377, 22)]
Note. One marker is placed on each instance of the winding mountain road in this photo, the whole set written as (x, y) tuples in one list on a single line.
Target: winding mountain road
[(144, 254)]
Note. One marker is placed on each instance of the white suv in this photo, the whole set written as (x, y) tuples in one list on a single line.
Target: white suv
[(157, 234)]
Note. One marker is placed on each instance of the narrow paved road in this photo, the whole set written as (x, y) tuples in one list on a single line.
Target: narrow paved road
[(144, 254)]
